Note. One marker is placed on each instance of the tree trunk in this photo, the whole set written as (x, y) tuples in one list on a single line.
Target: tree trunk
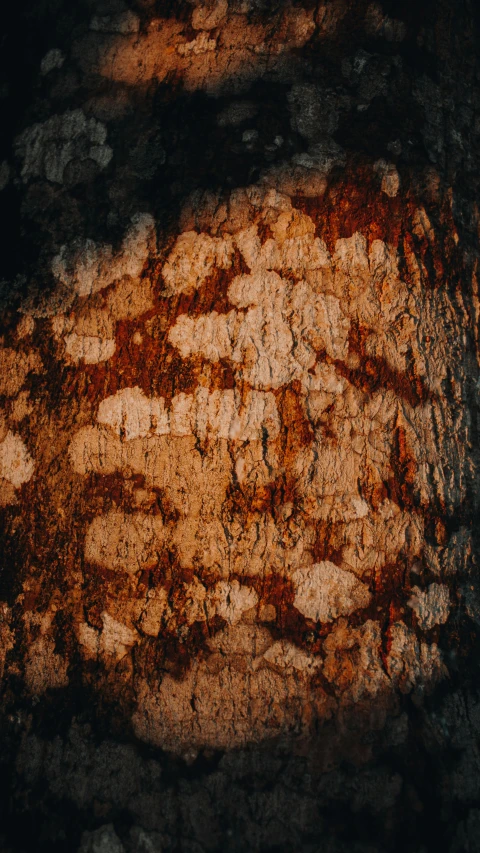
[(239, 379)]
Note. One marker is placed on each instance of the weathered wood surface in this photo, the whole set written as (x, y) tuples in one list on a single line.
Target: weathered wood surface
[(239, 427)]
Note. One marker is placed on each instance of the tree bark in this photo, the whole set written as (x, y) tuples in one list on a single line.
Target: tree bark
[(239, 381)]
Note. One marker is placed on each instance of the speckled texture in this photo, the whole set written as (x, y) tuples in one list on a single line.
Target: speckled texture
[(239, 378)]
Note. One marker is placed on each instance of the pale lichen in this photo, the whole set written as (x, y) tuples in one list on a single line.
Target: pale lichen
[(324, 591), (16, 463), (431, 606), (86, 267)]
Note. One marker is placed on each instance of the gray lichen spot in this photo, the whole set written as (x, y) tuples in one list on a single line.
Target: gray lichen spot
[(237, 112), (306, 173), (48, 148), (102, 840), (429, 95), (145, 842), (124, 23), (53, 59), (314, 111)]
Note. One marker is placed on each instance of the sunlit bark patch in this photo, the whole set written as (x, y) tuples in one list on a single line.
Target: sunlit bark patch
[(310, 475), (274, 507)]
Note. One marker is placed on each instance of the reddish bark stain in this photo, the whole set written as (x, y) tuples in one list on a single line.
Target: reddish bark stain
[(328, 542), (401, 486), (296, 429), (374, 372), (354, 202)]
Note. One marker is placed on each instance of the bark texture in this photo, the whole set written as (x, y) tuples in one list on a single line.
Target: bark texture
[(239, 466)]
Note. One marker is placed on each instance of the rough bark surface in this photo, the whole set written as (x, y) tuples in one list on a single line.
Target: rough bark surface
[(239, 466)]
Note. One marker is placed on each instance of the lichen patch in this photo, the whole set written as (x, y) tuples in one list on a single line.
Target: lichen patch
[(324, 591), (89, 348), (431, 606), (115, 638), (193, 258), (412, 663), (229, 599), (48, 148), (284, 656), (14, 369), (86, 267), (16, 464), (223, 414)]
